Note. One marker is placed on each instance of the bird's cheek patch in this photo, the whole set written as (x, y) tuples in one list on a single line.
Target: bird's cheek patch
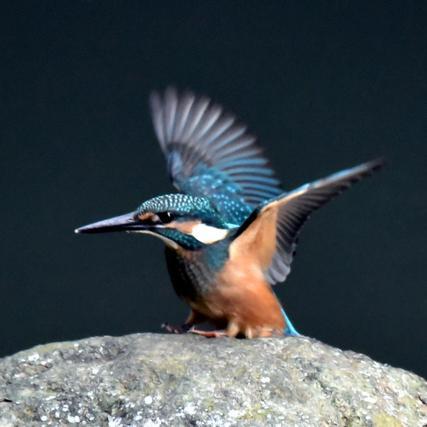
[(145, 216), (203, 233), (185, 227), (208, 234)]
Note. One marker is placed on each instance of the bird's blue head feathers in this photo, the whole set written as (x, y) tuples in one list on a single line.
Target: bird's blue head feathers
[(180, 220), (182, 207), (178, 204)]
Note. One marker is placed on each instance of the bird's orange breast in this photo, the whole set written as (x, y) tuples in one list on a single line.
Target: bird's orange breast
[(242, 298)]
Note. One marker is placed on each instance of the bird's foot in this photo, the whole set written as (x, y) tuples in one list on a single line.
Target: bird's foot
[(208, 334), (173, 329)]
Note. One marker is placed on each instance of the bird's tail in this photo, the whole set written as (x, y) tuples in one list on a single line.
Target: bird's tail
[(290, 329)]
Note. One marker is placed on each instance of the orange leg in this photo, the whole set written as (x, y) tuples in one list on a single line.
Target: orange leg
[(193, 318), (231, 331), (208, 334)]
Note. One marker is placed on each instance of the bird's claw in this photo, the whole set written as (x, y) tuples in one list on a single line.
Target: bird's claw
[(173, 329), (208, 334)]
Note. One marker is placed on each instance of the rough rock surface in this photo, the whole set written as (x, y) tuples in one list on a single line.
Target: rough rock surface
[(184, 380)]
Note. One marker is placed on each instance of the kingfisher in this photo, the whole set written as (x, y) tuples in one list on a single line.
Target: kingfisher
[(230, 232)]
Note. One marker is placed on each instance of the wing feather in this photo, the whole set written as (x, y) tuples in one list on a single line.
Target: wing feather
[(291, 211), (210, 154)]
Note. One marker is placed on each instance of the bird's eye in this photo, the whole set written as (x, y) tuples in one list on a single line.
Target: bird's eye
[(166, 217)]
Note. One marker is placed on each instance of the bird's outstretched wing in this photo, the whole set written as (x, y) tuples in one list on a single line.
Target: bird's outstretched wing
[(209, 154), (273, 228)]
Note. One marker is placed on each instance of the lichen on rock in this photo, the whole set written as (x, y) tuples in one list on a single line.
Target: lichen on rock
[(184, 380)]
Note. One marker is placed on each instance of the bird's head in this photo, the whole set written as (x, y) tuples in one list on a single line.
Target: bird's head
[(178, 219)]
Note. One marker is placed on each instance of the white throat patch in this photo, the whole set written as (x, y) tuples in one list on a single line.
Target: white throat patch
[(208, 234)]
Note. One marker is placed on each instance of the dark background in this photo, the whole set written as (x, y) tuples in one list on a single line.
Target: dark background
[(324, 85)]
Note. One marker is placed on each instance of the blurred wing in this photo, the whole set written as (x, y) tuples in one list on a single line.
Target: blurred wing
[(209, 154), (274, 228)]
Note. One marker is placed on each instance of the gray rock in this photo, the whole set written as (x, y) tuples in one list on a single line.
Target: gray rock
[(184, 380)]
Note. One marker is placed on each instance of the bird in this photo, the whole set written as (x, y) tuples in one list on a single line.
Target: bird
[(230, 230)]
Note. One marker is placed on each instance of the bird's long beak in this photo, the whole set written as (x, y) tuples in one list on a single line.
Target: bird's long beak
[(124, 222)]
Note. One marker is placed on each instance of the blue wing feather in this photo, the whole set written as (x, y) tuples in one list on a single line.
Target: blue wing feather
[(209, 154)]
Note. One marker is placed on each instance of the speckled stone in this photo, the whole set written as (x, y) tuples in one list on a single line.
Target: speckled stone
[(184, 380)]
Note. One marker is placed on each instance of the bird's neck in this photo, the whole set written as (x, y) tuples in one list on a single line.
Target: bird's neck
[(178, 240), (194, 272)]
